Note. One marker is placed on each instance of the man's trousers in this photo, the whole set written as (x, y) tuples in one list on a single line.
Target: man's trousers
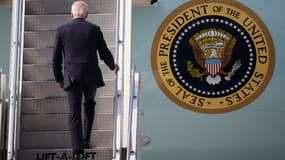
[(80, 134)]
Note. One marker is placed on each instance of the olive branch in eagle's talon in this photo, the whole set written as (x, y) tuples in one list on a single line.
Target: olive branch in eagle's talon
[(194, 72)]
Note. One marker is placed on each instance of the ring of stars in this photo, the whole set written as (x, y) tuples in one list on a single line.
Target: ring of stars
[(221, 92)]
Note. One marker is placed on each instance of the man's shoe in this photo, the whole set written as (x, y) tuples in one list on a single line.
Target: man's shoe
[(87, 145), (77, 156)]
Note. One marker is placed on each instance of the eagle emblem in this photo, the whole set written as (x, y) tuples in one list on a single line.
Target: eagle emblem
[(213, 50)]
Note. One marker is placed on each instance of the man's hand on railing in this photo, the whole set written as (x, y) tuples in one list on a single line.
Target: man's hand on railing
[(117, 68), (60, 84)]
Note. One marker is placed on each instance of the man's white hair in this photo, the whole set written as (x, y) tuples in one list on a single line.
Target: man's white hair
[(79, 8)]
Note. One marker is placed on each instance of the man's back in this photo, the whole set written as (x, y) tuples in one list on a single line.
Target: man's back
[(79, 40)]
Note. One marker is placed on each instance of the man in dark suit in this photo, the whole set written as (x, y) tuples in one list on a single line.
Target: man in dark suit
[(76, 45)]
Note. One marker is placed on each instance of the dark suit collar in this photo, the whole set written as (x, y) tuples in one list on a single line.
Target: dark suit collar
[(79, 19)]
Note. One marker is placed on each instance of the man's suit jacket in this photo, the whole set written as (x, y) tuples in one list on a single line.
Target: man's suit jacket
[(76, 45)]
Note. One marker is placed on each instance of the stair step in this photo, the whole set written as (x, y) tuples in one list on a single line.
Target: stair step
[(59, 105), (44, 132), (61, 139), (59, 122), (63, 6), (44, 55), (64, 154), (39, 72), (44, 89), (52, 22), (45, 39)]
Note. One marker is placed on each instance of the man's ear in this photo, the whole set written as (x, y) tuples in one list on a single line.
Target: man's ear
[(71, 15)]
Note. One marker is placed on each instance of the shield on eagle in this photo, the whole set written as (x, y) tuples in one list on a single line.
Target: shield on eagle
[(213, 66)]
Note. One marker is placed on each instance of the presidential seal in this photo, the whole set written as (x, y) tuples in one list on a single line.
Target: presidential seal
[(212, 56)]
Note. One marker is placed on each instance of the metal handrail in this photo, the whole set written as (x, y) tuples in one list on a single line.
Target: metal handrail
[(118, 83), (3, 113), (15, 77), (123, 89), (133, 120), (129, 148)]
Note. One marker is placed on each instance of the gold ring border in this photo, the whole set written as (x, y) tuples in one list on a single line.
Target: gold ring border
[(256, 18)]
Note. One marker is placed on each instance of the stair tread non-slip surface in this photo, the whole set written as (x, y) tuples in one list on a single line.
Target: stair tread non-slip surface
[(44, 72), (59, 105), (52, 22), (63, 6), (44, 55), (59, 122), (42, 89), (61, 139), (45, 39)]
